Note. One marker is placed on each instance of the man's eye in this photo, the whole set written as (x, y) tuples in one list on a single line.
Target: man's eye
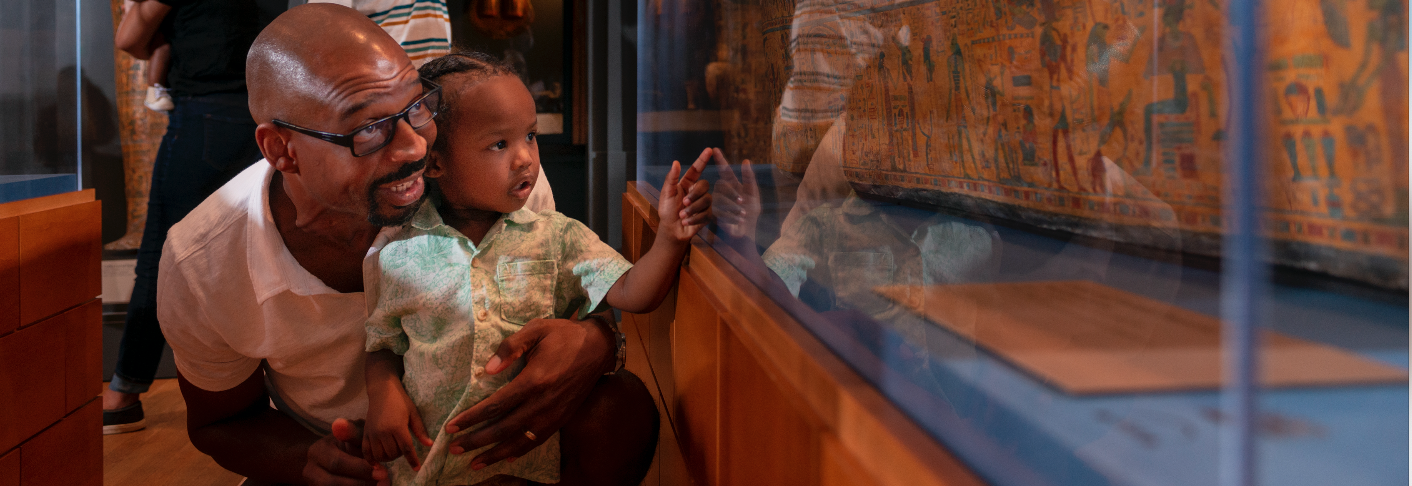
[(367, 133)]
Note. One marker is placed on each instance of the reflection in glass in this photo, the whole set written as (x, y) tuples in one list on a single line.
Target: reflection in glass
[(1008, 217)]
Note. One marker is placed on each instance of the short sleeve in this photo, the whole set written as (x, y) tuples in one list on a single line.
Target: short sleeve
[(200, 352), (795, 253), (588, 269), (394, 300)]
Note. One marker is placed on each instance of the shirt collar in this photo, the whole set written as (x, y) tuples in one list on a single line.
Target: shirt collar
[(428, 219), (523, 216), (854, 206), (272, 267)]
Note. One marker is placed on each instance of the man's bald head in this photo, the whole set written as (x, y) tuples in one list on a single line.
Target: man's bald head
[(301, 56)]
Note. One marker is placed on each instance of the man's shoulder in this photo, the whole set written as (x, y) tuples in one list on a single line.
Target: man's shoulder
[(211, 226)]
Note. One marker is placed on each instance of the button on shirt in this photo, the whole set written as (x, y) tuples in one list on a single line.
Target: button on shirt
[(445, 303)]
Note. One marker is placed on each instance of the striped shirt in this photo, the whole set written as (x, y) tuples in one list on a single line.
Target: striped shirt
[(423, 27)]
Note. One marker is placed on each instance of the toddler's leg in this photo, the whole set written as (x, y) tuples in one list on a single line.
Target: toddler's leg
[(158, 99)]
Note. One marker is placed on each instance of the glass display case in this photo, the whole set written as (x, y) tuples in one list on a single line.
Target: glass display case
[(39, 96), (1077, 242)]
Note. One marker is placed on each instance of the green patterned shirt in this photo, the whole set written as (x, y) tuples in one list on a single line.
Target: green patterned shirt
[(445, 304)]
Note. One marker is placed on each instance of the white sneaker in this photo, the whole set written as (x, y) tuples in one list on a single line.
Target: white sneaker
[(158, 99)]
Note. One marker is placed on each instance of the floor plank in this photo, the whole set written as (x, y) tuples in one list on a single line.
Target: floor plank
[(161, 454)]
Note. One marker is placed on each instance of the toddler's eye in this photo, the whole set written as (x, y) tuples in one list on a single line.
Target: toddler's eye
[(529, 137), (499, 145)]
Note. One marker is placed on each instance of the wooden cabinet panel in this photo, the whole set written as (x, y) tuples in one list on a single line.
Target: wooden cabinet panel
[(9, 275), (68, 454), (764, 439), (695, 348), (60, 259), (31, 381), (10, 468), (671, 462), (839, 468), (749, 396), (659, 343), (83, 353), (632, 227)]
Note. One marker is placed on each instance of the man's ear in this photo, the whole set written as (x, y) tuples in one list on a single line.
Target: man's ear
[(275, 148), (433, 169)]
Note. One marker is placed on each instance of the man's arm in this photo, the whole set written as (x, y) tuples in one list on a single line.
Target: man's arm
[(238, 429), (139, 25)]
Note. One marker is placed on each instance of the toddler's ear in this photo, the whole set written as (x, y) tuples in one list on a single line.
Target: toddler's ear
[(433, 165)]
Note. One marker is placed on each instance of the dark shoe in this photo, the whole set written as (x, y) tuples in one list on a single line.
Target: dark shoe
[(124, 420)]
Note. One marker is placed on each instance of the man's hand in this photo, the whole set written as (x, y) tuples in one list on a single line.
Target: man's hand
[(685, 203), (337, 460), (563, 361)]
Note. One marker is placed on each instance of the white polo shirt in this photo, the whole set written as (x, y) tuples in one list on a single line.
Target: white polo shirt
[(230, 295)]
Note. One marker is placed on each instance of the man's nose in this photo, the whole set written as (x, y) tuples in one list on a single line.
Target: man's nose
[(407, 145)]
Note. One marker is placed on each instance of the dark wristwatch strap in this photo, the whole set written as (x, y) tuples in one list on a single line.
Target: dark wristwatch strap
[(622, 353), (622, 344)]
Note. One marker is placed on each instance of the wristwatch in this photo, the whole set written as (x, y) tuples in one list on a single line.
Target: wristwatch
[(622, 343), (622, 353)]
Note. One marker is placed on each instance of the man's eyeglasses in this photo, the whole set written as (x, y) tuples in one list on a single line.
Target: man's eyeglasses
[(374, 136)]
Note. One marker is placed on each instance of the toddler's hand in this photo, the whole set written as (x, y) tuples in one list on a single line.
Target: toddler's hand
[(386, 435), (736, 204), (685, 204)]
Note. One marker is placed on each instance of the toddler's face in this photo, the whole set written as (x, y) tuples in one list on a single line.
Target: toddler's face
[(491, 156)]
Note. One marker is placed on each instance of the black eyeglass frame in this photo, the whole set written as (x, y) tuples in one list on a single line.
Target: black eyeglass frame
[(346, 140)]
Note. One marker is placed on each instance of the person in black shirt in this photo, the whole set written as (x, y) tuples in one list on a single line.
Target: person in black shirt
[(210, 138)]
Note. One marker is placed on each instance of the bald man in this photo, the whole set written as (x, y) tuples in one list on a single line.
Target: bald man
[(261, 288)]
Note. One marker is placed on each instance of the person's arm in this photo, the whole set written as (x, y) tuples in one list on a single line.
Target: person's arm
[(391, 412), (238, 429), (139, 25), (682, 210), (235, 425)]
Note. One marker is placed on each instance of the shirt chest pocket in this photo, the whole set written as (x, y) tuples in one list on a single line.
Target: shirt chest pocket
[(856, 275), (526, 290)]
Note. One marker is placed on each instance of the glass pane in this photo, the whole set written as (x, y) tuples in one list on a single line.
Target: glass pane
[(1010, 217), (38, 97)]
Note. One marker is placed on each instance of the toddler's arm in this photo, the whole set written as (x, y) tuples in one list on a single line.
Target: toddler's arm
[(391, 413), (684, 207)]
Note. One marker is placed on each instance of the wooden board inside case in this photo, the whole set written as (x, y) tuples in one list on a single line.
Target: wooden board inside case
[(1087, 338)]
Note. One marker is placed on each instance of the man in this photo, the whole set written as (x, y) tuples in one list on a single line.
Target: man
[(261, 287)]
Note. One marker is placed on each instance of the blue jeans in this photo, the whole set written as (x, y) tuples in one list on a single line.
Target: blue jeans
[(210, 139)]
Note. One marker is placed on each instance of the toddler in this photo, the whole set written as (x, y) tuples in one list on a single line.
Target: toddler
[(158, 99), (473, 266)]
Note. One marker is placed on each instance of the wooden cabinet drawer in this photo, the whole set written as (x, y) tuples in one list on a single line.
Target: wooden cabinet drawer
[(10, 468), (9, 275), (70, 453), (31, 381), (83, 353), (60, 259)]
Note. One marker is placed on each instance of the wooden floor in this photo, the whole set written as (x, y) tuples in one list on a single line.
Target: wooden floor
[(160, 454)]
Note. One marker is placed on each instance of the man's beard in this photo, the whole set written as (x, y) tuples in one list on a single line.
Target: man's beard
[(402, 215)]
